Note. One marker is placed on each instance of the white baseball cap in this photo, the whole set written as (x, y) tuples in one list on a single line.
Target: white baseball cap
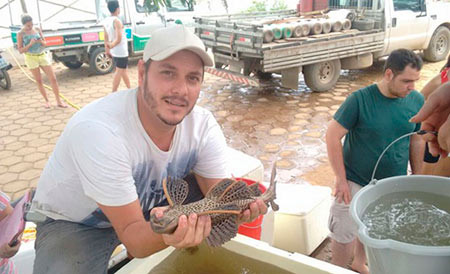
[(169, 40)]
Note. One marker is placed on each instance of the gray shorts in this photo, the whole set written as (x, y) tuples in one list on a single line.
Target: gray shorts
[(341, 225)]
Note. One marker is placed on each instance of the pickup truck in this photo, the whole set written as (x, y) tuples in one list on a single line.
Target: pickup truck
[(76, 42), (242, 51)]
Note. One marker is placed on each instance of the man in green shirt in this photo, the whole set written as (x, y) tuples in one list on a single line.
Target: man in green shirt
[(370, 119)]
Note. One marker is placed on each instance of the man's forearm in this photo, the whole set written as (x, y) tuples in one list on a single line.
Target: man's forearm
[(416, 153), (335, 156), (141, 241)]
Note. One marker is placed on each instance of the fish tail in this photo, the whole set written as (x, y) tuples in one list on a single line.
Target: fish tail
[(271, 192)]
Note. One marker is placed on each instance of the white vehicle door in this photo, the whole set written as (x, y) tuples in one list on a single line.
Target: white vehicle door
[(409, 24), (145, 21)]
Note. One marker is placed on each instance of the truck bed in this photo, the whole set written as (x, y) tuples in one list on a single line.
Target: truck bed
[(313, 50), (240, 37)]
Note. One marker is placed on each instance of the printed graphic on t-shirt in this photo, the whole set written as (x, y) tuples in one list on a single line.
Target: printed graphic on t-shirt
[(150, 191)]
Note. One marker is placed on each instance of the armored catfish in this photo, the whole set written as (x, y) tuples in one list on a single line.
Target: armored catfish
[(223, 203)]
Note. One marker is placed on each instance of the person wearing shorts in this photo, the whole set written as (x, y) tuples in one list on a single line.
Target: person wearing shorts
[(370, 119), (116, 45), (31, 43)]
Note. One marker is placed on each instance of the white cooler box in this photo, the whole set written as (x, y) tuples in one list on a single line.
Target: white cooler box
[(301, 224), (245, 166)]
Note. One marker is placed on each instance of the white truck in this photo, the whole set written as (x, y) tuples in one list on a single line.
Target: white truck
[(240, 47), (76, 42)]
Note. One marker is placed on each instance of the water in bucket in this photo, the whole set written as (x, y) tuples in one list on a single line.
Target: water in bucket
[(411, 217)]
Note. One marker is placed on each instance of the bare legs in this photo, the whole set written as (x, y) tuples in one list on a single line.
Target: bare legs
[(51, 76), (54, 84), (342, 254), (120, 74), (37, 76)]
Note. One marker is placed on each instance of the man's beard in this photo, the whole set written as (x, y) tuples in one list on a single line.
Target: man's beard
[(393, 92), (151, 103)]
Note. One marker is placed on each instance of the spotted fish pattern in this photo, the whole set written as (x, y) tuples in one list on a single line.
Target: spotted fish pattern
[(223, 203)]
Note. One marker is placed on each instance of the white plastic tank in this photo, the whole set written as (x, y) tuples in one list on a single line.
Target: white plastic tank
[(390, 256)]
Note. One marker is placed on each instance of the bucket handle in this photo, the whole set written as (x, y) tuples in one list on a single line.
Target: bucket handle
[(373, 181)]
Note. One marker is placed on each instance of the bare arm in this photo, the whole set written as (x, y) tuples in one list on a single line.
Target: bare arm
[(334, 135), (444, 137), (118, 29), (6, 212), (20, 47), (42, 41), (416, 150), (106, 41), (433, 84), (205, 184), (132, 229), (434, 114), (7, 251)]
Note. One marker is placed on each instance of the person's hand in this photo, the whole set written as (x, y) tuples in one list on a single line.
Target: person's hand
[(33, 41), (191, 231), (433, 114), (108, 51), (256, 208), (7, 251), (342, 192), (444, 137)]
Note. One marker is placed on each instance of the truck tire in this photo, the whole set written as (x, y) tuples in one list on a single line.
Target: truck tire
[(99, 62), (218, 65), (72, 64), (263, 75), (5, 81), (439, 45), (323, 76), (363, 24)]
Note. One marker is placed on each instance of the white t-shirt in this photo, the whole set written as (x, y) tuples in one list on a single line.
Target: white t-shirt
[(104, 155), (121, 49)]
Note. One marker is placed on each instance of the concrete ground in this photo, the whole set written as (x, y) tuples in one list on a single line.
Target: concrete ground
[(269, 122)]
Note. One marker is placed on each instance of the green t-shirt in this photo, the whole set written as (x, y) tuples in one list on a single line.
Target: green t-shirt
[(373, 121)]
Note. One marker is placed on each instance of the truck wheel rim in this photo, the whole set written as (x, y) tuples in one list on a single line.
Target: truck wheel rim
[(326, 72), (441, 45), (102, 62)]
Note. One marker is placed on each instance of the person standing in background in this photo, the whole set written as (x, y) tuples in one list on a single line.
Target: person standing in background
[(30, 41), (370, 119), (116, 45)]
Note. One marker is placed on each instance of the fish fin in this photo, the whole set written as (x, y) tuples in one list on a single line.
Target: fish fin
[(236, 191), (175, 190), (224, 228), (228, 207), (254, 189), (270, 193), (219, 188)]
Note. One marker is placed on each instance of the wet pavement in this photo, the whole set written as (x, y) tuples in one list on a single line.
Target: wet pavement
[(268, 122)]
